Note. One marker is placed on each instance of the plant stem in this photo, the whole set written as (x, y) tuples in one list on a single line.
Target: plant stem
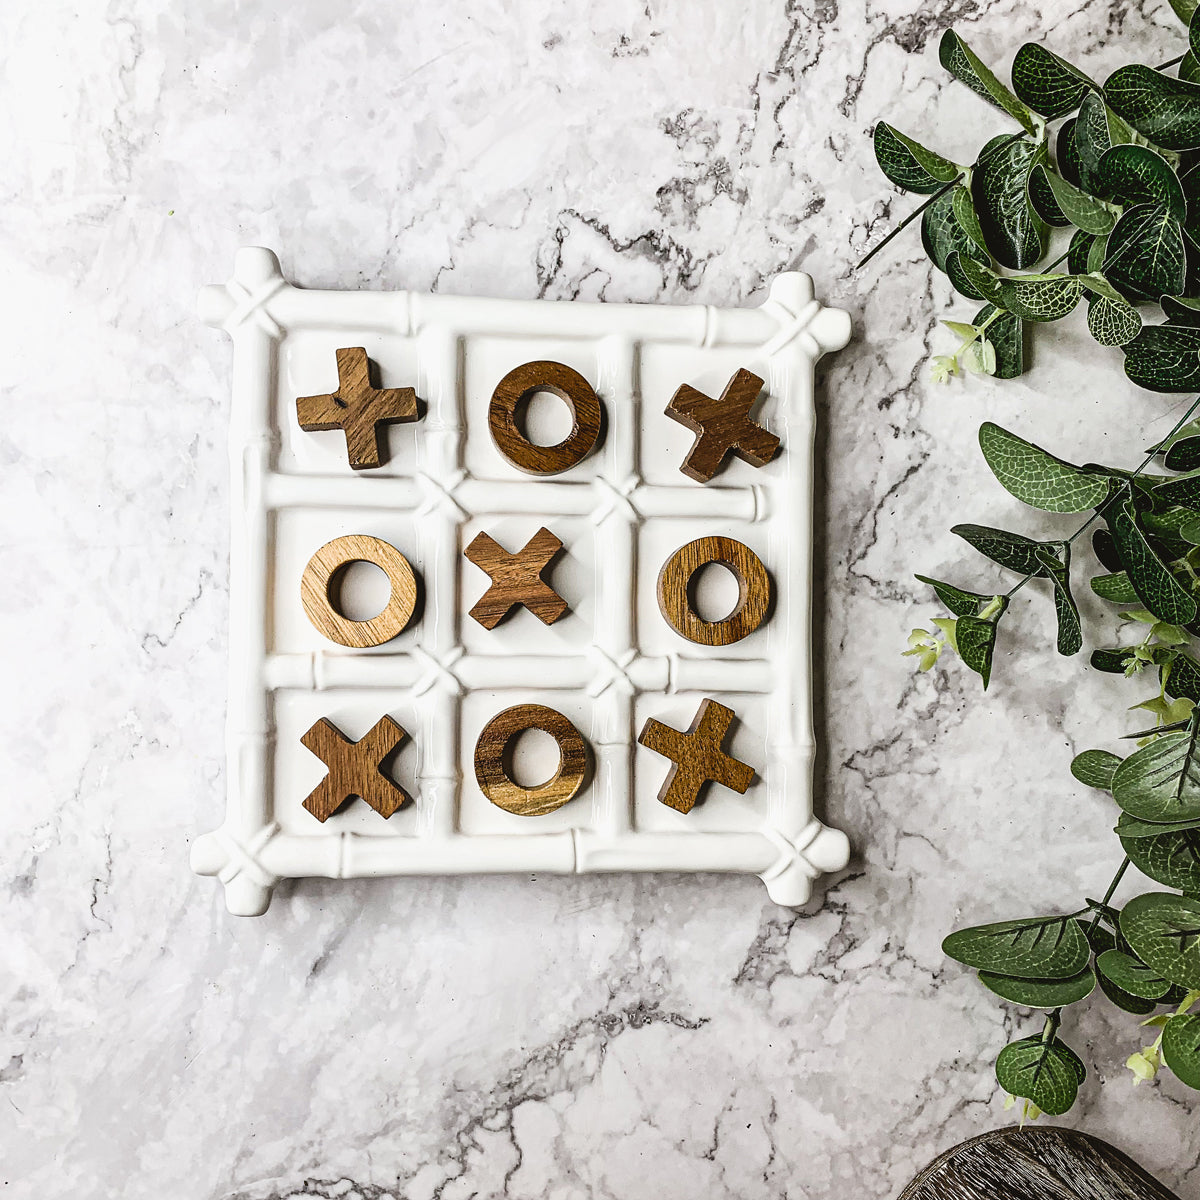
[(1126, 485), (912, 216), (1164, 66)]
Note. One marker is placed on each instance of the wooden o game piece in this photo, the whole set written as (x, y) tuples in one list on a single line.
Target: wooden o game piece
[(355, 768), (516, 578), (357, 408), (697, 756), (493, 773), (754, 591), (544, 376), (321, 575), (722, 426)]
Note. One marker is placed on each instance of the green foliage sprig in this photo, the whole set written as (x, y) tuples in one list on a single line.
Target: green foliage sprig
[(1116, 168)]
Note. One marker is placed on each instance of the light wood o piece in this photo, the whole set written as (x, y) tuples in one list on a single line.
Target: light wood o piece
[(320, 577), (498, 785), (544, 376), (754, 591)]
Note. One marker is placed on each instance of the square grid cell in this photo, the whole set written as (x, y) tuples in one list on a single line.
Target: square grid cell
[(608, 665)]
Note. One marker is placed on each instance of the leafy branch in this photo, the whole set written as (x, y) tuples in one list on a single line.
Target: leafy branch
[(1112, 170)]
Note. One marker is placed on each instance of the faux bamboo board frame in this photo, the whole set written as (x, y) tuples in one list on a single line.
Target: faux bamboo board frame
[(614, 664)]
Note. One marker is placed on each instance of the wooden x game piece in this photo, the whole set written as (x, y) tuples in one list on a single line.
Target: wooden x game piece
[(355, 768), (357, 408), (516, 578), (722, 425), (697, 756)]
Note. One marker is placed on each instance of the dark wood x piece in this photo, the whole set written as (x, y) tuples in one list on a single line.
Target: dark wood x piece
[(357, 408), (355, 768), (516, 578), (722, 426), (697, 756)]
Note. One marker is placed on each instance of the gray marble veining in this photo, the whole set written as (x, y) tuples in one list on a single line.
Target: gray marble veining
[(581, 1037)]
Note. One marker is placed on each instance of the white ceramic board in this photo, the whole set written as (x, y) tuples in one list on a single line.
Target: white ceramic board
[(608, 665)]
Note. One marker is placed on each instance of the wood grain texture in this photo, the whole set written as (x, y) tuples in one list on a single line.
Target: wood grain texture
[(1034, 1164), (355, 768), (493, 761), (516, 388), (675, 592), (697, 756), (722, 426), (320, 581), (516, 578), (357, 408)]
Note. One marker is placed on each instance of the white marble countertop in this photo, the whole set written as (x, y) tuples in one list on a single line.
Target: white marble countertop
[(581, 1037)]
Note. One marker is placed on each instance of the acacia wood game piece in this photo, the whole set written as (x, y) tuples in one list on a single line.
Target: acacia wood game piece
[(355, 768), (320, 580), (722, 426), (493, 761), (697, 756), (516, 578), (675, 599), (544, 376), (357, 408), (1035, 1164)]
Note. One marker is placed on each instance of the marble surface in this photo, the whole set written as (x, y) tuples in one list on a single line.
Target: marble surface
[(580, 1037)]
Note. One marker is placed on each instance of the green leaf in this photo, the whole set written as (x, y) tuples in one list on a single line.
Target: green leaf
[(1181, 1047), (1169, 858), (1183, 491), (1157, 588), (1066, 153), (1189, 68), (977, 644), (1184, 9), (1132, 829), (1184, 454), (960, 278), (1015, 234), (980, 276), (908, 164), (1165, 358), (1184, 679), (1091, 215), (1145, 255), (1123, 1000), (942, 235), (1040, 297), (1013, 551), (1042, 198), (1058, 567), (1093, 135), (1040, 993), (958, 58), (1165, 110), (960, 603), (1032, 948), (1007, 334), (1115, 588), (1136, 175), (1161, 781), (1132, 976), (1041, 1072), (1095, 768), (1180, 310), (1113, 322), (1048, 84), (1164, 932), (1037, 477), (965, 215)]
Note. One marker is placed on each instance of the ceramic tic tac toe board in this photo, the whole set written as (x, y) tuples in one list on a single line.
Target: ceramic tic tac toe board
[(348, 758)]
